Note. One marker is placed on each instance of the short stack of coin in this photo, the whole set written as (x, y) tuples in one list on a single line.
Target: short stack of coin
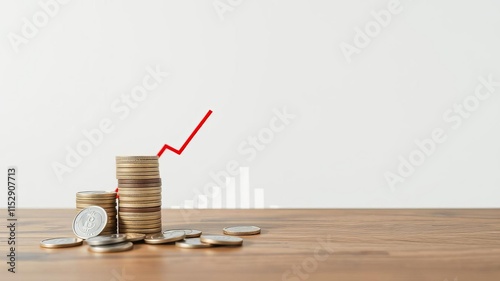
[(103, 199), (139, 190)]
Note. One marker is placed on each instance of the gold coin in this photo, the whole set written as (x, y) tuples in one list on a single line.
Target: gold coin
[(151, 223), (140, 199), (135, 214), (140, 205), (136, 165), (134, 237), (136, 177), (138, 185), (153, 189), (141, 230), (120, 247)]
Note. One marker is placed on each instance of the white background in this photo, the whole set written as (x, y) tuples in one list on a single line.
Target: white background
[(352, 122)]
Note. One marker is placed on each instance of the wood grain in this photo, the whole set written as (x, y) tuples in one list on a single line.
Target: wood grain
[(323, 244)]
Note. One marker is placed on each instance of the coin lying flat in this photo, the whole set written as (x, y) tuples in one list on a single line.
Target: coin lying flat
[(61, 242), (120, 247), (134, 237), (106, 239), (89, 222), (168, 237), (190, 233), (192, 243), (95, 194), (221, 240), (241, 230)]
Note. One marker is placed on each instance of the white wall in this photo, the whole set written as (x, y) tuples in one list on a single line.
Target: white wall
[(352, 119)]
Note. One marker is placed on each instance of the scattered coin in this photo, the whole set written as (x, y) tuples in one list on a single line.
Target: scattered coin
[(192, 243), (221, 240), (190, 233), (162, 238), (90, 222), (134, 237), (241, 230), (120, 247), (106, 239), (61, 242)]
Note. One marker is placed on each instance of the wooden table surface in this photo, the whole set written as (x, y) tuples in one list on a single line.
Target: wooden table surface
[(294, 245)]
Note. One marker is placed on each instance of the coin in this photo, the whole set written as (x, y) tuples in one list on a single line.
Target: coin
[(89, 222), (134, 237), (140, 205), (96, 194), (139, 210), (141, 198), (135, 158), (140, 230), (221, 240), (106, 239), (161, 238), (133, 216), (241, 230), (136, 177), (136, 181), (192, 243), (190, 233), (136, 165), (61, 242), (138, 185), (120, 247), (143, 222)]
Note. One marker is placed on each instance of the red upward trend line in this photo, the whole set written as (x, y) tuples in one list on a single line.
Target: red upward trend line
[(179, 151)]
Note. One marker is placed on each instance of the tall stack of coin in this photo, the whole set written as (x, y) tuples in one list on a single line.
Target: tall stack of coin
[(103, 199), (139, 190)]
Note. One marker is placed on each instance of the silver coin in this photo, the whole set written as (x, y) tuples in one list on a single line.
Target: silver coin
[(90, 222), (61, 242), (241, 230), (221, 240), (106, 239), (192, 243), (190, 233), (120, 247), (165, 237)]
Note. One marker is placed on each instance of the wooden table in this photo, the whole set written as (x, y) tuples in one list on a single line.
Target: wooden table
[(294, 245)]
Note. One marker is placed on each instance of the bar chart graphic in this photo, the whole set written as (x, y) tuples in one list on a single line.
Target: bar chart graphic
[(230, 196)]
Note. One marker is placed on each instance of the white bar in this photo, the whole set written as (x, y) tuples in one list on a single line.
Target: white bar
[(202, 201), (175, 207), (258, 194), (216, 198), (230, 193), (188, 204), (244, 188)]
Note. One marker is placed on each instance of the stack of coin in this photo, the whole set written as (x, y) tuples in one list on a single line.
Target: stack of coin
[(139, 190), (103, 199)]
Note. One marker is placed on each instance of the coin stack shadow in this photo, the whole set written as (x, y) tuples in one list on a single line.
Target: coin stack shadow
[(139, 191), (103, 199)]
